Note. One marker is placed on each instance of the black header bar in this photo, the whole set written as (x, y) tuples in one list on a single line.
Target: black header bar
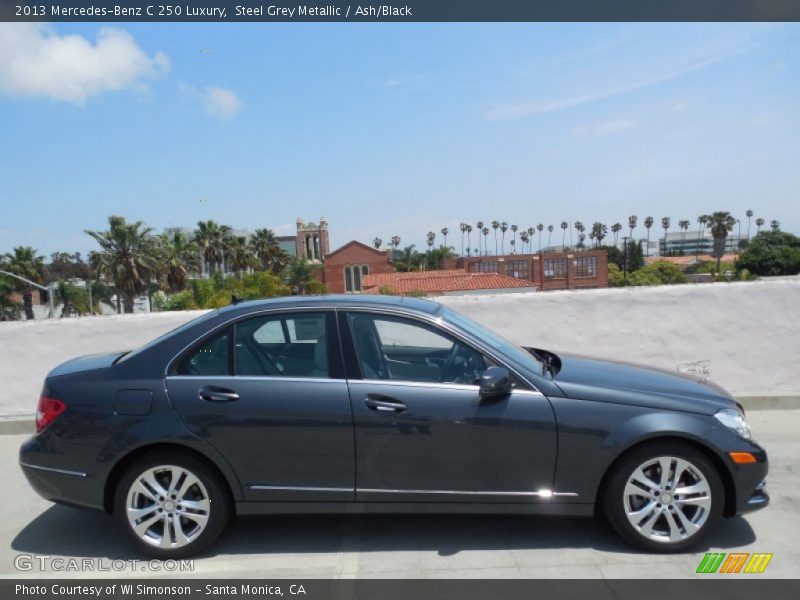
[(400, 11)]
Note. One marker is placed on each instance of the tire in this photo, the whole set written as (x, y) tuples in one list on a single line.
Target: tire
[(153, 496), (664, 521)]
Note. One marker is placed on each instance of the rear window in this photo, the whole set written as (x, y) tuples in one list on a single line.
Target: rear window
[(161, 338)]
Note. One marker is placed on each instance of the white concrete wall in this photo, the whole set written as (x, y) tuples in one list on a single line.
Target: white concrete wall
[(749, 331)]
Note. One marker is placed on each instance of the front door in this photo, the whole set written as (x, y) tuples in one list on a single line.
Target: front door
[(423, 434), (270, 395)]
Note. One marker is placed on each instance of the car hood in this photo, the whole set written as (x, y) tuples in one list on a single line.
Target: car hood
[(86, 363), (625, 383)]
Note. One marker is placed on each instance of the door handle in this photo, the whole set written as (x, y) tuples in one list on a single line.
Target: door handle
[(217, 394), (384, 404)]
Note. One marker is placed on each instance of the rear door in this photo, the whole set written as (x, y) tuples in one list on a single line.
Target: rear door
[(269, 393), (423, 434)]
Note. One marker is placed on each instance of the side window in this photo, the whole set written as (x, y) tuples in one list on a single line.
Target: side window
[(406, 350), (282, 345), (210, 358)]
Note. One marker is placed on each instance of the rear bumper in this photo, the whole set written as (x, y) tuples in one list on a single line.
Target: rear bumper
[(65, 485)]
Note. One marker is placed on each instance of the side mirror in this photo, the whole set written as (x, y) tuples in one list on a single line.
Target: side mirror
[(495, 382)]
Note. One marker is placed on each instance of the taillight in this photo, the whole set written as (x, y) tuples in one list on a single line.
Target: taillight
[(47, 411)]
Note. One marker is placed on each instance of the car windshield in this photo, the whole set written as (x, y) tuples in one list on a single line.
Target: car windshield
[(507, 347), (184, 327)]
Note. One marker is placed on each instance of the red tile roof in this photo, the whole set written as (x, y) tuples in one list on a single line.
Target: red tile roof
[(439, 282)]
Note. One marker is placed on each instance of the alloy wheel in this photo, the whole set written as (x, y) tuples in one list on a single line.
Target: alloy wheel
[(168, 506), (667, 499)]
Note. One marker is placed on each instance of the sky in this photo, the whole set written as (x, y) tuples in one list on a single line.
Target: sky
[(392, 129)]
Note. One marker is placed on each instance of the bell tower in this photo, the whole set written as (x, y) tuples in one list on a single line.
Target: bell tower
[(312, 239)]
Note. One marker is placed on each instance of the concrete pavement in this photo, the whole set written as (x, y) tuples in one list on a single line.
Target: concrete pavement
[(412, 546)]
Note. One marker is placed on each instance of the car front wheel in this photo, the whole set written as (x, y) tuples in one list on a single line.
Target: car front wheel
[(171, 505), (664, 497)]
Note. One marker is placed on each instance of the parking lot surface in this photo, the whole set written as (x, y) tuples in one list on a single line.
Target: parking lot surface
[(395, 546)]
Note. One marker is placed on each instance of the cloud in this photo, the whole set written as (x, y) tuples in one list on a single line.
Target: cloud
[(604, 128), (37, 62), (529, 109), (221, 102)]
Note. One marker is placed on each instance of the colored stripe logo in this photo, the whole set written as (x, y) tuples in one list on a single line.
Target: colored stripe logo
[(735, 562)]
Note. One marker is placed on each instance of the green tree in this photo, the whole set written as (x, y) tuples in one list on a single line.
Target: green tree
[(128, 258), (213, 240), (239, 256), (658, 273), (301, 275), (771, 253), (720, 223), (9, 308), (266, 248), (25, 262), (178, 258)]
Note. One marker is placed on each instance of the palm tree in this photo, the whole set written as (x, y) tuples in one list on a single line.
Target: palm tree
[(580, 228), (239, 256), (128, 258), (395, 241), (564, 226), (759, 225), (550, 229), (431, 237), (409, 261), (540, 228), (749, 214), (485, 232), (444, 232), (600, 231), (178, 256), (684, 225), (775, 225), (266, 249), (702, 220), (468, 229), (300, 273), (531, 232), (25, 262), (377, 243), (514, 230), (213, 240), (665, 225), (648, 223), (495, 226), (479, 225), (463, 228), (721, 224), (615, 229), (632, 220), (9, 308), (525, 238), (503, 229)]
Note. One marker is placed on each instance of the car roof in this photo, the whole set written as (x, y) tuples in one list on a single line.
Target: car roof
[(338, 300)]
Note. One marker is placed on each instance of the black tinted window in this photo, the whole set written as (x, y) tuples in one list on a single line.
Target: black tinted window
[(405, 350), (283, 345), (210, 358)]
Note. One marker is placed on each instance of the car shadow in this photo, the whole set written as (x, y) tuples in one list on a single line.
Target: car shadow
[(64, 531)]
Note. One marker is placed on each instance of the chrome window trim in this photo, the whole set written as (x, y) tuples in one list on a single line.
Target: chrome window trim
[(292, 379), (430, 318), (431, 384), (53, 470)]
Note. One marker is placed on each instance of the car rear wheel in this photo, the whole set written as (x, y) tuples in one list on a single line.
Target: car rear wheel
[(663, 497), (171, 505)]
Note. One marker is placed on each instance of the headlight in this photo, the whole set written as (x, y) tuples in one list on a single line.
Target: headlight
[(733, 419)]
